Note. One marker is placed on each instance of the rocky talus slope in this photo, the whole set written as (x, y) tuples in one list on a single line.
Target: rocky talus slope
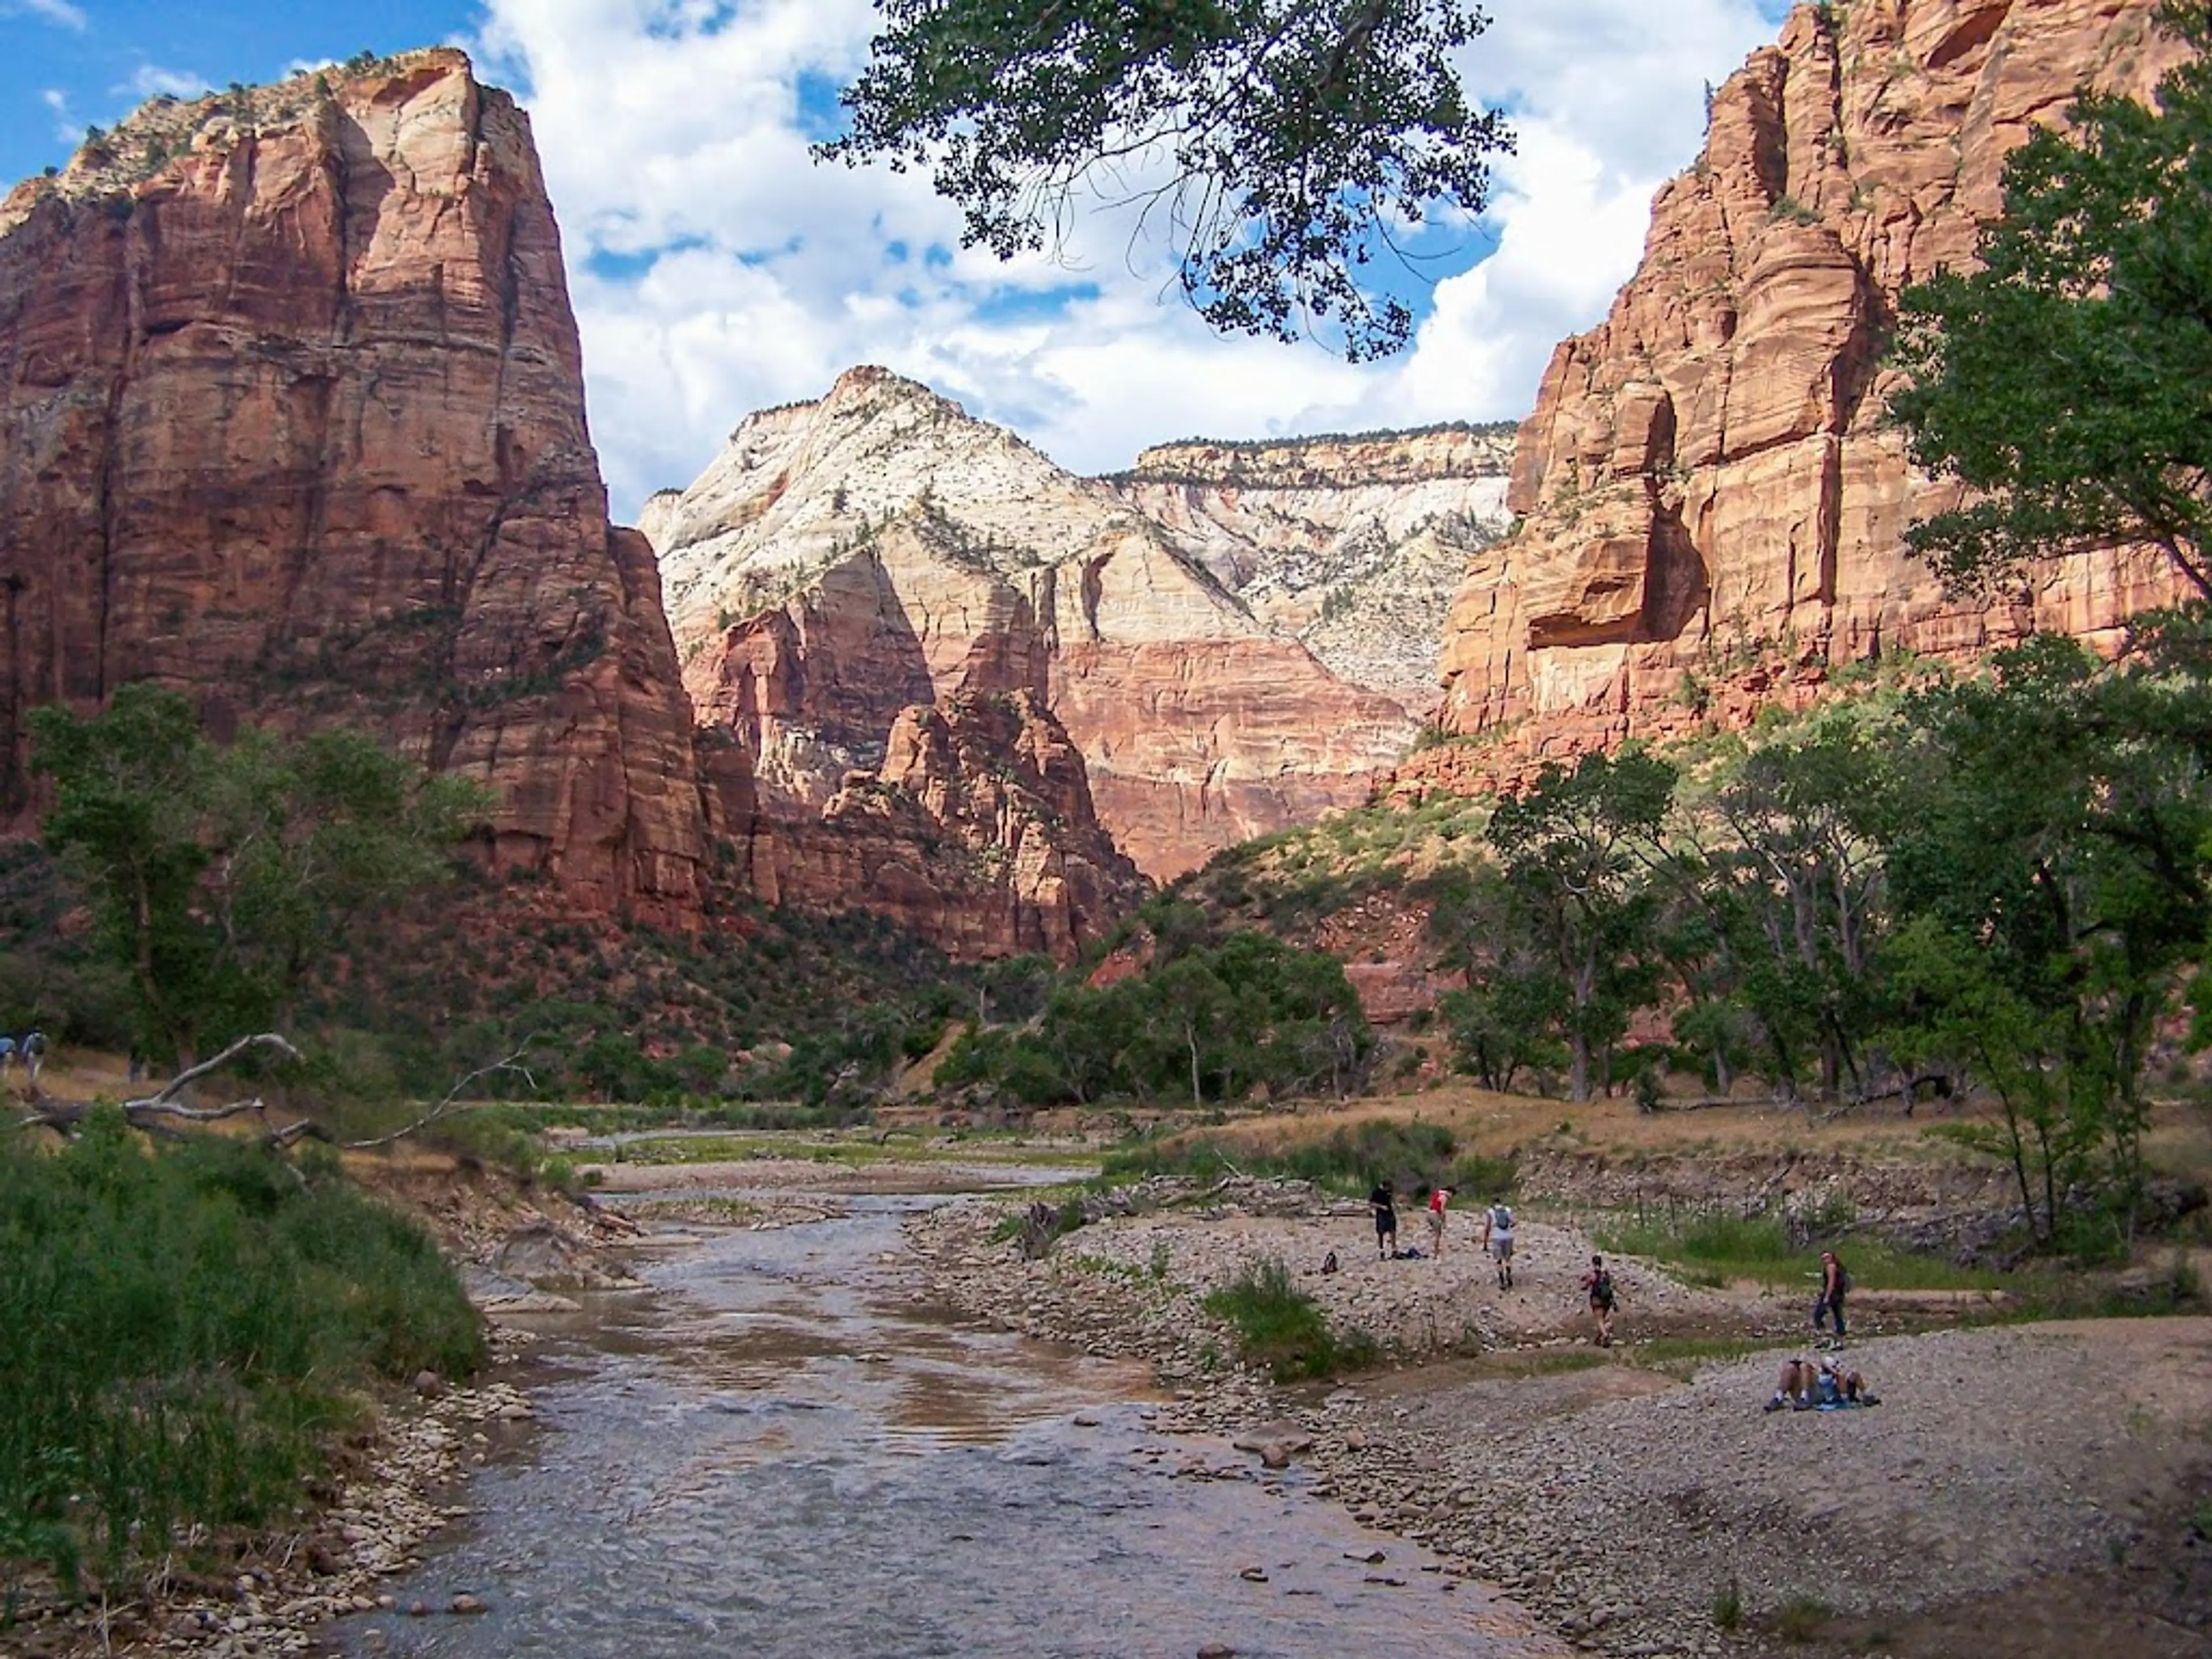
[(847, 560), (1715, 509), (1353, 545), (292, 418), (977, 830)]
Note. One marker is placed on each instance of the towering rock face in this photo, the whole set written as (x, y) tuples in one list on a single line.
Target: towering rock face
[(1354, 546), (845, 562), (1714, 507), (291, 418)]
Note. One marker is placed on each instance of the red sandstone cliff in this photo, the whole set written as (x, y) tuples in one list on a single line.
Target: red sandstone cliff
[(292, 418), (1714, 509), (976, 831)]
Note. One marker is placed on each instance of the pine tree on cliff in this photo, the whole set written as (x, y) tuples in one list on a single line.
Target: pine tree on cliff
[(2065, 382), (1279, 143)]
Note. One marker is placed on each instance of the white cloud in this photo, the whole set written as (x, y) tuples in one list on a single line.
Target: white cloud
[(60, 12), (716, 269), (67, 127), (152, 81)]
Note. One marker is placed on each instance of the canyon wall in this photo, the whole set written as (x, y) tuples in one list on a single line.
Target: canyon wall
[(1355, 546), (845, 562), (1714, 507), (292, 419)]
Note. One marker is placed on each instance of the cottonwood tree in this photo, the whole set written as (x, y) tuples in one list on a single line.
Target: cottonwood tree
[(2063, 382), (1282, 146), (2053, 895), (223, 877), (1793, 886), (1575, 852)]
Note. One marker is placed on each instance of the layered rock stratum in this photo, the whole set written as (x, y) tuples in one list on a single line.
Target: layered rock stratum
[(292, 419), (1355, 545), (847, 560), (1715, 507)]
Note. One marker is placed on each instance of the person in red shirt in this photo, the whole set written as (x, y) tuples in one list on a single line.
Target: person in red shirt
[(1439, 1201)]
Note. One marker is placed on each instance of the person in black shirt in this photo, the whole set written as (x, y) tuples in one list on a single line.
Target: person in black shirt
[(1386, 1219)]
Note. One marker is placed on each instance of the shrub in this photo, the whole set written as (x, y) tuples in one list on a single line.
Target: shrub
[(1280, 1327), (182, 1329)]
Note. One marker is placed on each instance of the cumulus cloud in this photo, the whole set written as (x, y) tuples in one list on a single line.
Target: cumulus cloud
[(152, 81), (716, 269)]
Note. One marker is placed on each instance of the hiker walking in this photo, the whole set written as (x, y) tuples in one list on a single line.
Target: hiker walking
[(1385, 1206), (35, 1053), (1439, 1202), (1498, 1240), (1597, 1283), (1835, 1284)]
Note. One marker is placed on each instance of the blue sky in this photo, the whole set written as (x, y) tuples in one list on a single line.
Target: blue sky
[(102, 57), (715, 270)]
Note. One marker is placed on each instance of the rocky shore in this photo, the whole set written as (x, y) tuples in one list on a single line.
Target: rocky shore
[(387, 1501), (1639, 1500)]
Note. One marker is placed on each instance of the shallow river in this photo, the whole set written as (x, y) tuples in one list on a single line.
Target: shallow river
[(778, 1449)]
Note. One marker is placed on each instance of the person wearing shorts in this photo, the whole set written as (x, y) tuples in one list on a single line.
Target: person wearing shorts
[(1498, 1240), (1385, 1205), (1439, 1203), (1598, 1283)]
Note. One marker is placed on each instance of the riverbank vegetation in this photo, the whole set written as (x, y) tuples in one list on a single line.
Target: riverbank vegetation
[(1206, 1015), (184, 1327), (1346, 1160), (1281, 1329)]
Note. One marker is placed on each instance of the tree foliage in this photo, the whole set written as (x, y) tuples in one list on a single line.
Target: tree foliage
[(1281, 145), (223, 877), (2064, 383), (1209, 1019), (1576, 884)]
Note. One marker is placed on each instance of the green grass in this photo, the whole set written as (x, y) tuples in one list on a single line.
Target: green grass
[(900, 1149), (1281, 1328), (1717, 1249), (1799, 1617), (1727, 1606), (182, 1329)]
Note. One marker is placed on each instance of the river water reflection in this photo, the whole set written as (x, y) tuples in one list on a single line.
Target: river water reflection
[(779, 1451)]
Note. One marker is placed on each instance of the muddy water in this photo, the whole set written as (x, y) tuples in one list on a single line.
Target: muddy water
[(779, 1450)]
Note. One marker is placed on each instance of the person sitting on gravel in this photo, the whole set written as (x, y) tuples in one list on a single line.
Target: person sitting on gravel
[(1498, 1240), (1804, 1386), (1385, 1205), (1598, 1283)]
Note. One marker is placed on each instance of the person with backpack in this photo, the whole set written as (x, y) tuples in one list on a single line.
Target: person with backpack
[(1598, 1283), (1835, 1285), (1498, 1240)]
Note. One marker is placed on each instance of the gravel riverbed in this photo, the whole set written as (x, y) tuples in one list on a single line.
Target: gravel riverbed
[(1632, 1509)]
